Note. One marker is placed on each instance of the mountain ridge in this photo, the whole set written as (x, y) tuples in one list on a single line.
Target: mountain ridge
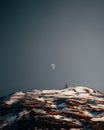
[(78, 108)]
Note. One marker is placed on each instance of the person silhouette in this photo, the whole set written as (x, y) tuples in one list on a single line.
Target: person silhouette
[(66, 86)]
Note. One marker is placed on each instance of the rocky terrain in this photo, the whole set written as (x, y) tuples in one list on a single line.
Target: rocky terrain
[(72, 108)]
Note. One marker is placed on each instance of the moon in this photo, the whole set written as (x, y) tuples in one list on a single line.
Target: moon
[(53, 66)]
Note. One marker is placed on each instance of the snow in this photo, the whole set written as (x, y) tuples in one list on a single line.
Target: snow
[(75, 129), (14, 98), (70, 91), (22, 113), (41, 95), (12, 119), (40, 111), (98, 119), (87, 113), (83, 89), (57, 116), (53, 106), (40, 99), (61, 104), (9, 120)]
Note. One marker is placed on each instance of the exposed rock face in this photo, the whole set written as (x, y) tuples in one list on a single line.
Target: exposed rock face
[(73, 108)]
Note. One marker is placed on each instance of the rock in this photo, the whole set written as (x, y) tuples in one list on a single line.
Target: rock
[(72, 108)]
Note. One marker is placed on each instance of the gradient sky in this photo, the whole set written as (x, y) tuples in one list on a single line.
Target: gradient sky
[(38, 33)]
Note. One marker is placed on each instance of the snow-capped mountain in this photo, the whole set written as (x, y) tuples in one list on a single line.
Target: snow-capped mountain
[(71, 108)]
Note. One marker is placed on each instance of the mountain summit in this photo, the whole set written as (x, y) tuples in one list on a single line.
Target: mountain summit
[(72, 108)]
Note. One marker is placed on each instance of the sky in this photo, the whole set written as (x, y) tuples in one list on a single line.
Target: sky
[(38, 33)]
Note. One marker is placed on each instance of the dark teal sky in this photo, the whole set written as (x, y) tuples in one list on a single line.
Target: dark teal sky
[(36, 33)]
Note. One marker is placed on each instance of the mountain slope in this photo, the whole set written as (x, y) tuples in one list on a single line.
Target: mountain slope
[(72, 108)]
